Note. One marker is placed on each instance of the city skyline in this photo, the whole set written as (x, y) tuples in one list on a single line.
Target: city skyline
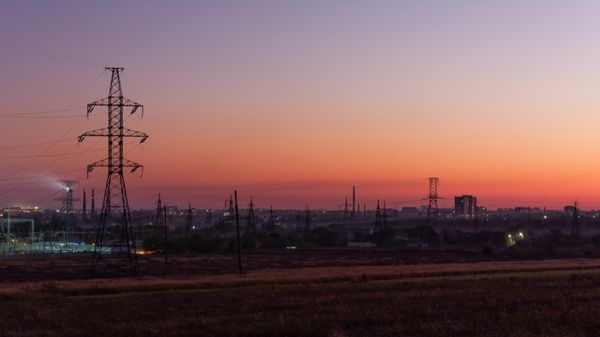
[(294, 103)]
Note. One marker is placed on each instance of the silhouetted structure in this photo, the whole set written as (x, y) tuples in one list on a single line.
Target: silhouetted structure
[(158, 225), (84, 207), (189, 220), (378, 220), (346, 209), (271, 222), (67, 208), (93, 208), (465, 206), (575, 223), (251, 225), (306, 220), (114, 226), (353, 202), (432, 197)]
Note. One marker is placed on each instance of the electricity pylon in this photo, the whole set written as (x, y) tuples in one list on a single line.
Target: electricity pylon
[(114, 226), (251, 225), (432, 197), (67, 208)]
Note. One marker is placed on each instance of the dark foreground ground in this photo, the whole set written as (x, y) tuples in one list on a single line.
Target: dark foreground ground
[(507, 298), (73, 267)]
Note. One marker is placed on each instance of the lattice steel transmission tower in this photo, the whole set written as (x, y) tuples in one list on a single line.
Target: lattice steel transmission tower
[(114, 225), (251, 225), (307, 221), (67, 199), (67, 207), (378, 220), (158, 225), (271, 222), (432, 197), (575, 222), (189, 220)]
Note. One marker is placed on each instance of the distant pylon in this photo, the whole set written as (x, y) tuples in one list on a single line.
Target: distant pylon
[(384, 217), (67, 199), (67, 207), (378, 222), (575, 222), (189, 221), (251, 225), (230, 208), (432, 197), (271, 222), (306, 220), (114, 226), (158, 224)]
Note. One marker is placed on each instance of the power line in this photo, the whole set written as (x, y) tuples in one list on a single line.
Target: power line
[(115, 206), (43, 152), (44, 112), (49, 54), (49, 155), (14, 147), (73, 116)]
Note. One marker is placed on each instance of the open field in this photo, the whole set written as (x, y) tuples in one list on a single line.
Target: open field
[(488, 298), (68, 267)]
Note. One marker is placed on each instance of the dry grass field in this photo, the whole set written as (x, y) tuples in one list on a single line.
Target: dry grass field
[(503, 298)]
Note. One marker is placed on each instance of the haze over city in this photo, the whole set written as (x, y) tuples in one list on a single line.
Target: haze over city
[(295, 102)]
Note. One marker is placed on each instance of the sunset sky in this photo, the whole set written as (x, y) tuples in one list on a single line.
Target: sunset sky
[(294, 102)]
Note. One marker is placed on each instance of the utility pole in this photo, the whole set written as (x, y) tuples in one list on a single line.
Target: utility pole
[(114, 226), (237, 223), (166, 231)]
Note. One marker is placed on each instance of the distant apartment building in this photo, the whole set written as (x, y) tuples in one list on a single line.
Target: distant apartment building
[(465, 206)]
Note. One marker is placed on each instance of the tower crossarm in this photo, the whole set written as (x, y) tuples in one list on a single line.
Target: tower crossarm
[(107, 163), (121, 101), (105, 132)]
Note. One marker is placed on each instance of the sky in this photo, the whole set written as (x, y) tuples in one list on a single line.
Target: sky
[(293, 102)]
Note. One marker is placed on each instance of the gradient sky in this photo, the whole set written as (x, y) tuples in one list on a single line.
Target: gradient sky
[(296, 101)]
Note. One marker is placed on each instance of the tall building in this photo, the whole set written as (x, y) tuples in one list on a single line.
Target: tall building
[(465, 206)]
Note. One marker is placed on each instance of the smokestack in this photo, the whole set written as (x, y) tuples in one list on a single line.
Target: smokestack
[(353, 200), (84, 206), (93, 213)]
